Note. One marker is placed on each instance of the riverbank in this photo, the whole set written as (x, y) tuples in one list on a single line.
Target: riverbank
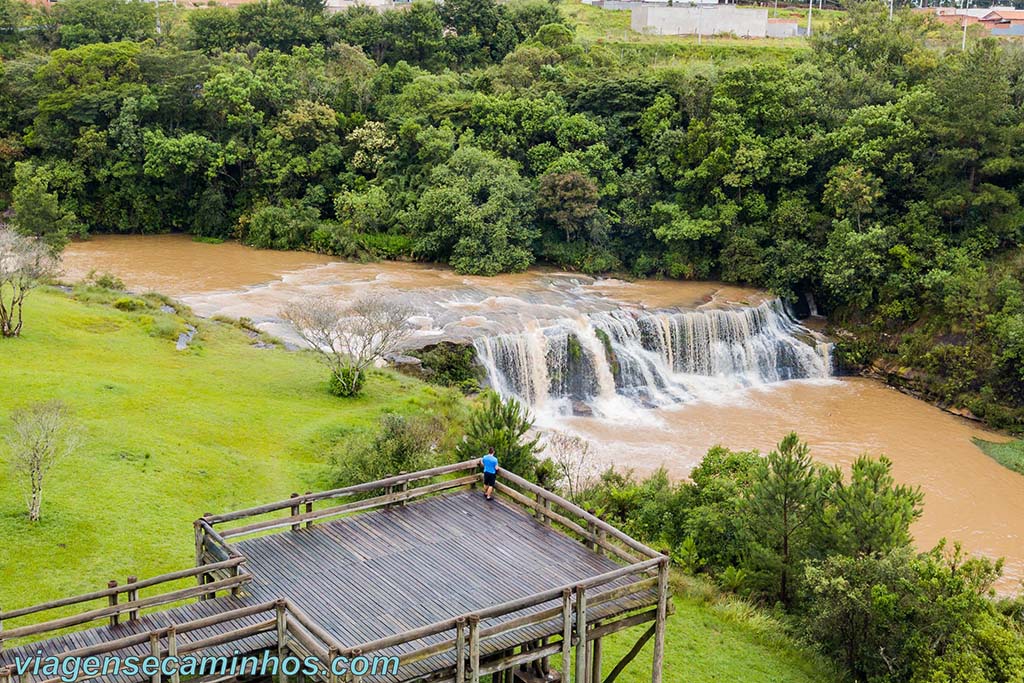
[(172, 434)]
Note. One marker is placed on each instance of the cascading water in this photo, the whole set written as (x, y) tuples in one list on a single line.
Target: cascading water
[(600, 360)]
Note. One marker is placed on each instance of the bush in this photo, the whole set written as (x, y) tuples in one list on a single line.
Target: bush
[(502, 425), (165, 328), (106, 281), (400, 444), (347, 382), (451, 365), (127, 303), (282, 227)]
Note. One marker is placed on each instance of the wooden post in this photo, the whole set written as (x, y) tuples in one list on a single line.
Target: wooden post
[(595, 674), (172, 651), (602, 537), (460, 650), (237, 588), (403, 487), (592, 528), (154, 650), (282, 639), (200, 532), (112, 601), (133, 595), (332, 677), (294, 512), (581, 634), (547, 506), (545, 663), (309, 508), (356, 654), (5, 674), (660, 622), (474, 649), (566, 635)]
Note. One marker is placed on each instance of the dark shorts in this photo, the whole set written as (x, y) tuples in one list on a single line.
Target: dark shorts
[(490, 478)]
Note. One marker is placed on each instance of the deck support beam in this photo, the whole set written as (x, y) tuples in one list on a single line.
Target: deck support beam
[(172, 651), (282, 639), (460, 650), (595, 673), (581, 634), (657, 671), (154, 651), (566, 635), (474, 649)]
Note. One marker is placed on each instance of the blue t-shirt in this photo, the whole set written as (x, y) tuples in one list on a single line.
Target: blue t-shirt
[(490, 464)]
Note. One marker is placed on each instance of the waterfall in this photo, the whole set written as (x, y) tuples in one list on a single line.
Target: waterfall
[(650, 358)]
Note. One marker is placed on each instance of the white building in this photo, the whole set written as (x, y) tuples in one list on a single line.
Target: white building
[(681, 20)]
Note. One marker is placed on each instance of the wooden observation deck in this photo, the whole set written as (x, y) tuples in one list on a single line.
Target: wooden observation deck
[(418, 568)]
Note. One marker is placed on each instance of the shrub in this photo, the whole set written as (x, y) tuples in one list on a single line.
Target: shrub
[(165, 328), (127, 303), (400, 444), (452, 365), (502, 425), (282, 227), (346, 382), (106, 281)]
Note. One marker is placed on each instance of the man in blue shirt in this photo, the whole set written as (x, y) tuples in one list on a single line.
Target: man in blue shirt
[(490, 463)]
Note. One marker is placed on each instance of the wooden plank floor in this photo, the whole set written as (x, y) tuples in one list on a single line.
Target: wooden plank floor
[(372, 575)]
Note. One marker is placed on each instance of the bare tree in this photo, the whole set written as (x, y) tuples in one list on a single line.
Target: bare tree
[(24, 263), (573, 461), (349, 337), (43, 434)]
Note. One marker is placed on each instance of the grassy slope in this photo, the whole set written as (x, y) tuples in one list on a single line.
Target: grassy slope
[(712, 639), (168, 435), (1010, 455), (173, 434)]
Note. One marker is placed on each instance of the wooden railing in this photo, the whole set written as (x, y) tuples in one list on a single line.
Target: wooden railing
[(568, 604), (300, 510), (288, 624), (232, 578), (584, 525)]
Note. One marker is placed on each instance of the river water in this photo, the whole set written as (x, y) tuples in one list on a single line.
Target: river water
[(651, 373)]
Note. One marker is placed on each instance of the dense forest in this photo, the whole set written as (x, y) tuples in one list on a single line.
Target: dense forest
[(879, 171)]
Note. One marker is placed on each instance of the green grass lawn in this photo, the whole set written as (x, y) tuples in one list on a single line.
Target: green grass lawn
[(716, 639), (168, 435), (1010, 455)]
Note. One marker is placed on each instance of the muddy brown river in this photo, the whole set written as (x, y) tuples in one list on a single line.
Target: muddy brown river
[(731, 368)]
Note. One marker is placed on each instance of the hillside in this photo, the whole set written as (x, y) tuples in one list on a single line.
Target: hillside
[(169, 435)]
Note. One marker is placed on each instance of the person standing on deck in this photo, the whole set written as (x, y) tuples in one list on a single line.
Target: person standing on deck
[(490, 462)]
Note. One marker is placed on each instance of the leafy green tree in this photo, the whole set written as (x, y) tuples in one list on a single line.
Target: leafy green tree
[(82, 22), (871, 515), (504, 426), (215, 28), (282, 227), (780, 509), (476, 209), (713, 500), (37, 211), (894, 617), (570, 202)]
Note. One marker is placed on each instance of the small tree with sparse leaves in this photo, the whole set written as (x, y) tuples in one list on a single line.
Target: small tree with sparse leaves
[(42, 435)]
